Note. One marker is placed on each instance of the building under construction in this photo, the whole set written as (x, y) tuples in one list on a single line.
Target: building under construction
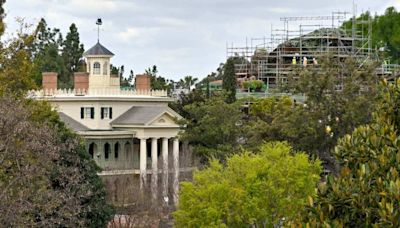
[(302, 42)]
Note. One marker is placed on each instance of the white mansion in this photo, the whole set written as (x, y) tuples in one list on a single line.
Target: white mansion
[(123, 130)]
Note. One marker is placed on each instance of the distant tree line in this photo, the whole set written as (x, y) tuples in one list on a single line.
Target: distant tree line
[(385, 32)]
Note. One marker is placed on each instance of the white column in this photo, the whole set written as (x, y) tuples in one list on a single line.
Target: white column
[(154, 167), (143, 159), (175, 156), (143, 155), (165, 170), (165, 153), (175, 153)]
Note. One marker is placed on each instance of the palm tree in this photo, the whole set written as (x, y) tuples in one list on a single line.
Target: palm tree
[(188, 81)]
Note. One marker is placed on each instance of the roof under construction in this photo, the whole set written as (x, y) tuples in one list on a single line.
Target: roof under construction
[(272, 58)]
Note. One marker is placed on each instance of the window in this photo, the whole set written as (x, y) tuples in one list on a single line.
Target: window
[(107, 150), (96, 68), (116, 150), (106, 113), (87, 113), (92, 149)]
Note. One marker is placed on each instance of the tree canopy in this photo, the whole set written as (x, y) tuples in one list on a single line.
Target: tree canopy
[(385, 30), (229, 80), (46, 176), (260, 190), (213, 126), (366, 192)]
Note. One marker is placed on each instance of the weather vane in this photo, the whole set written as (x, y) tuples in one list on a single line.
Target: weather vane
[(98, 23)]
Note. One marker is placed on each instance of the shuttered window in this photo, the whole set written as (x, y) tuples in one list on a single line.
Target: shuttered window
[(106, 113), (87, 113)]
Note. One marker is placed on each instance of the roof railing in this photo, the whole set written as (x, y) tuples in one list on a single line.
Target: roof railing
[(96, 92)]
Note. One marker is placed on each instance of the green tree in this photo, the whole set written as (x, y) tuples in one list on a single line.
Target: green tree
[(195, 96), (229, 80), (44, 50), (49, 60), (385, 30), (127, 82), (260, 190), (367, 191), (340, 96), (213, 126), (267, 120), (158, 82), (46, 176), (43, 37), (16, 69), (72, 51), (130, 78), (187, 82)]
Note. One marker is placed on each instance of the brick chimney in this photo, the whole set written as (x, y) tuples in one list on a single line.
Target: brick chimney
[(49, 80), (142, 82), (81, 81)]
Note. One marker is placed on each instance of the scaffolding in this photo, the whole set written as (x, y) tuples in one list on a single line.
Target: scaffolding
[(302, 42)]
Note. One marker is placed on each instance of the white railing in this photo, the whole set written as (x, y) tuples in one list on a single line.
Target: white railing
[(95, 92)]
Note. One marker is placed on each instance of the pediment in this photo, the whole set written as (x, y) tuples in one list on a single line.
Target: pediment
[(165, 119)]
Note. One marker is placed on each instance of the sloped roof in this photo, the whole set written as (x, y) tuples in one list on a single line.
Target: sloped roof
[(140, 115), (98, 49), (71, 123)]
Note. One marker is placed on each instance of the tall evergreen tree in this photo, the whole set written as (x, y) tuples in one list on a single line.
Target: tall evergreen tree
[(229, 80), (72, 53), (44, 52)]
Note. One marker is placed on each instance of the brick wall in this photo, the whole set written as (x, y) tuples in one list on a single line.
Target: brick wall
[(142, 82), (49, 80), (81, 81)]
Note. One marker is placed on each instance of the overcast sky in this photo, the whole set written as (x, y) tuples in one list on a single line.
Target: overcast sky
[(181, 37)]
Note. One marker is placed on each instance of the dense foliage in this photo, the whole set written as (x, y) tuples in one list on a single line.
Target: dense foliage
[(338, 99), (46, 176), (213, 126), (260, 190), (367, 191), (51, 53), (253, 84), (229, 80), (385, 30), (195, 96), (158, 82)]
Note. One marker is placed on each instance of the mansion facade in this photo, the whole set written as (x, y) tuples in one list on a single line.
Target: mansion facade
[(124, 130)]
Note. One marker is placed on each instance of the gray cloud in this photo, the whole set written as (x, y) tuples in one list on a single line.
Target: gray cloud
[(181, 37)]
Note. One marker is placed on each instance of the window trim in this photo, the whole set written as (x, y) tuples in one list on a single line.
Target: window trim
[(96, 70), (107, 151), (106, 113), (116, 150), (87, 112)]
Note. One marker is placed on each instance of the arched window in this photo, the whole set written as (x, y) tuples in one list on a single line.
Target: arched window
[(105, 67), (92, 149), (107, 151), (116, 150), (96, 68)]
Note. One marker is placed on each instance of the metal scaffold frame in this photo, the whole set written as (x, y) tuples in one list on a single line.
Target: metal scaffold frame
[(302, 41)]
